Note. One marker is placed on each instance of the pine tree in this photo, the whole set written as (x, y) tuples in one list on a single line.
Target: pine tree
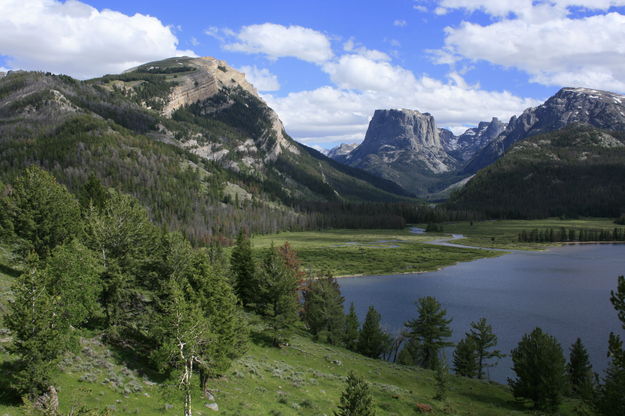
[(93, 193), (610, 398), (278, 295), (356, 400), (372, 340), (40, 334), (441, 378), (465, 358), (244, 270), (484, 340), (323, 310), (428, 332), (42, 213), (579, 370), (186, 331), (539, 365), (352, 329)]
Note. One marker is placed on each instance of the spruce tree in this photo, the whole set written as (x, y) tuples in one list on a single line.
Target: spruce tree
[(356, 400), (428, 332), (441, 378), (42, 213), (352, 329), (278, 295), (579, 370), (243, 270), (465, 358), (610, 398), (323, 310), (372, 340), (41, 335), (484, 340), (539, 365)]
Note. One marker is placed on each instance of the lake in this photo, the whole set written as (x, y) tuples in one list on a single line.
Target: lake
[(564, 290)]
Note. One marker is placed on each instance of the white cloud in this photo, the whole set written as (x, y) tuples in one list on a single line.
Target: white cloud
[(77, 39), (339, 114), (553, 50), (194, 41), (400, 23), (261, 78), (440, 11), (277, 41), (420, 8), (528, 8)]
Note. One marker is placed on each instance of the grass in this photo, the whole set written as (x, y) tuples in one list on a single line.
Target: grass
[(505, 232), (358, 252), (7, 276), (305, 378)]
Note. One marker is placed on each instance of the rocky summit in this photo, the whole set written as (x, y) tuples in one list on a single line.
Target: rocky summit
[(601, 109), (404, 146)]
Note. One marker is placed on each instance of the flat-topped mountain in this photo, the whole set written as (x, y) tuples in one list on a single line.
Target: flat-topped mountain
[(403, 146)]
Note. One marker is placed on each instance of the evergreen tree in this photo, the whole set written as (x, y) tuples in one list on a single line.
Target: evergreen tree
[(428, 332), (579, 371), (278, 295), (42, 213), (352, 329), (539, 365), (244, 270), (372, 340), (40, 333), (127, 244), (465, 358), (610, 398), (484, 340), (356, 400), (185, 332), (72, 273), (323, 310), (441, 378), (93, 193)]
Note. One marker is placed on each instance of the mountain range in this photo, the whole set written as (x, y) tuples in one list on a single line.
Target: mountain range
[(406, 146)]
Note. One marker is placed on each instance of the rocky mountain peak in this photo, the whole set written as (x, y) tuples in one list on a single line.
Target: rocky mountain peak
[(340, 151), (200, 79), (601, 109)]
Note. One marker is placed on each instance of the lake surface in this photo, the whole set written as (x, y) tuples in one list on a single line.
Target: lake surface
[(564, 290)]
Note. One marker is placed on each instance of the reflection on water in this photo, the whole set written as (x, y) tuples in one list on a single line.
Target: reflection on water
[(565, 291)]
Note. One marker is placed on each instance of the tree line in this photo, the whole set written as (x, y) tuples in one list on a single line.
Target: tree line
[(571, 235)]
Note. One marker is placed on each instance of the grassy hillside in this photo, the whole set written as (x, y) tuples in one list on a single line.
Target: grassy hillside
[(305, 378), (577, 171)]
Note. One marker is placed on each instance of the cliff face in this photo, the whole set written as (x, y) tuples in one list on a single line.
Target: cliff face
[(404, 146)]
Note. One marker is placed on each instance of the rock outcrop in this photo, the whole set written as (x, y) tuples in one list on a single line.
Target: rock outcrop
[(404, 146), (339, 152)]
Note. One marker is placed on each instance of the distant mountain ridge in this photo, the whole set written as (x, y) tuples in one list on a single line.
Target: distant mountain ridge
[(405, 146)]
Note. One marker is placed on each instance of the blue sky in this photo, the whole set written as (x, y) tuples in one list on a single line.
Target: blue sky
[(325, 66)]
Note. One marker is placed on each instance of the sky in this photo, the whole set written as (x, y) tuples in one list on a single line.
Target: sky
[(325, 66)]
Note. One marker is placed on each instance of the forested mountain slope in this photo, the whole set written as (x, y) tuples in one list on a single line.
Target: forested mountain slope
[(189, 137), (576, 171)]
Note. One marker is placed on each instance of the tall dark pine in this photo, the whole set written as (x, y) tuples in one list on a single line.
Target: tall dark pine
[(539, 365), (428, 332), (465, 358), (352, 329), (244, 270), (372, 341), (484, 340), (323, 310), (356, 400), (579, 371), (610, 398)]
